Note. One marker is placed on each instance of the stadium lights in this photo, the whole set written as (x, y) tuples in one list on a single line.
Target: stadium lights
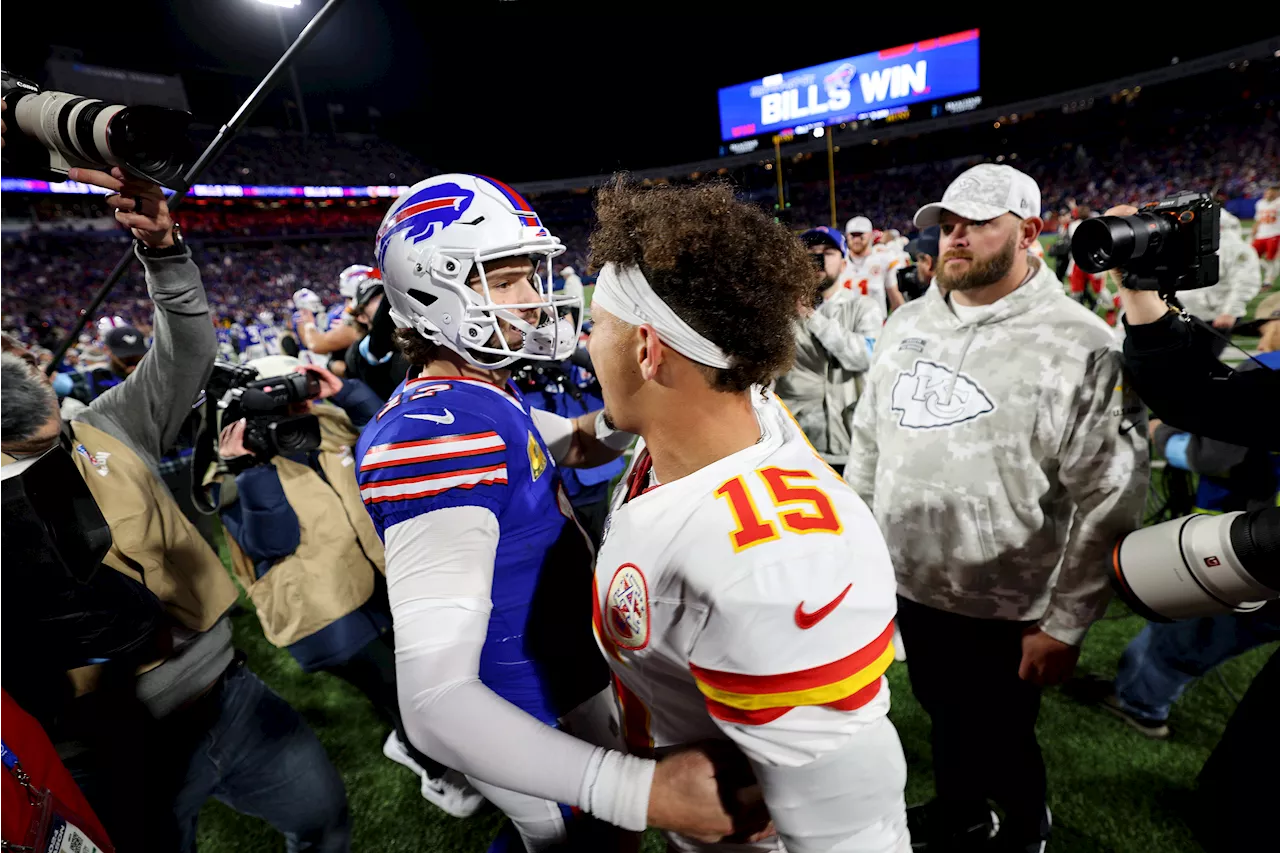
[(282, 4)]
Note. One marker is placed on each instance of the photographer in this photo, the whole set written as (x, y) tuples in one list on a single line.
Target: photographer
[(915, 279), (305, 550), (373, 358), (1171, 363), (834, 340), (212, 725)]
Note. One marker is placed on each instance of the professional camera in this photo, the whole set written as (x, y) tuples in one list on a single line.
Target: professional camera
[(264, 404), (1200, 565), (1169, 245), (909, 283), (60, 131)]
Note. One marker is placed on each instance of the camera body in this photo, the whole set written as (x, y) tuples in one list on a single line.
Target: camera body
[(909, 283), (1168, 245), (264, 404), (59, 131)]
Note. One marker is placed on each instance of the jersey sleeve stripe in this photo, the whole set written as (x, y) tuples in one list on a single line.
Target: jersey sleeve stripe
[(410, 488), (740, 688), (760, 716), (431, 449)]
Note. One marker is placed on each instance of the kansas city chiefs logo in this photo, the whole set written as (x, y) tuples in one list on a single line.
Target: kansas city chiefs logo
[(920, 396)]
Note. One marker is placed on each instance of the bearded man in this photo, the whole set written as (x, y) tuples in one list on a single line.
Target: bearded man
[(1002, 453)]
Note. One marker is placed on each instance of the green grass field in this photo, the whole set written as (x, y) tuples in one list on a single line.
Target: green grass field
[(1110, 789)]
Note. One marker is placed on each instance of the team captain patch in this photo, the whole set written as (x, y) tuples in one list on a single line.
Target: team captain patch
[(627, 606), (537, 459)]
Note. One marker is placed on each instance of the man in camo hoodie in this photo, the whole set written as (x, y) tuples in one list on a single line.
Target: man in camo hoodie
[(1003, 454)]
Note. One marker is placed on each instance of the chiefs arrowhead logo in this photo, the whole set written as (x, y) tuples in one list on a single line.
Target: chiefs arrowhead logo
[(922, 399)]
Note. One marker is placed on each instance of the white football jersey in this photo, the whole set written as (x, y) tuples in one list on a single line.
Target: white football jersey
[(869, 275), (753, 600), (1267, 215)]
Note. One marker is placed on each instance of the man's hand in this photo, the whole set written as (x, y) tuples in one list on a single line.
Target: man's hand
[(1046, 661), (329, 384), (685, 797), (1223, 322), (1152, 426), (231, 441), (1140, 306), (139, 204)]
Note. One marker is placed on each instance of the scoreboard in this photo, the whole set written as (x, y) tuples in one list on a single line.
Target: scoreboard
[(871, 86)]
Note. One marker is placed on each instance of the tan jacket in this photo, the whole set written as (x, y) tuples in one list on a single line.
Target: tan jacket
[(330, 574), (152, 541)]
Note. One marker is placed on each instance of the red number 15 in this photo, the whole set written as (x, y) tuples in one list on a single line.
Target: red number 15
[(802, 509)]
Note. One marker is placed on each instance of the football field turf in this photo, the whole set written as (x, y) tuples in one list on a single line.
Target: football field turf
[(1110, 788)]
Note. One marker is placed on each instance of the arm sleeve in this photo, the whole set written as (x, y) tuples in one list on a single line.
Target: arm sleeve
[(1188, 388), (150, 406), (841, 341), (808, 706), (1244, 279), (439, 577), (358, 401), (1104, 466), (268, 528), (556, 431), (860, 469)]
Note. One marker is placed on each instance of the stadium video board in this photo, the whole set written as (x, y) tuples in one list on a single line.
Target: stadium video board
[(852, 89)]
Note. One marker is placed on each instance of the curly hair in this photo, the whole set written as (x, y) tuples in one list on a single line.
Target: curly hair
[(729, 271)]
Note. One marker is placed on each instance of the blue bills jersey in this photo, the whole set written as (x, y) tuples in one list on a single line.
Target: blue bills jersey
[(444, 442)]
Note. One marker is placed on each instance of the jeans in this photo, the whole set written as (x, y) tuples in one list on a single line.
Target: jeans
[(260, 758), (1162, 661)]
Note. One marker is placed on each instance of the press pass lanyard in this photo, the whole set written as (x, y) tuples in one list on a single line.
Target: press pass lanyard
[(12, 764)]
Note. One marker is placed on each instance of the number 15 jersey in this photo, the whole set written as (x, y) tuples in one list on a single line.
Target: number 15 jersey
[(753, 599)]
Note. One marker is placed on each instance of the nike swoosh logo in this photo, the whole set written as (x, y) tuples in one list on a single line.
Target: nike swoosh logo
[(446, 418), (808, 620)]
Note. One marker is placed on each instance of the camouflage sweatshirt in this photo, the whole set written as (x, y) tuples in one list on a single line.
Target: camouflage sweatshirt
[(833, 352), (1002, 457)]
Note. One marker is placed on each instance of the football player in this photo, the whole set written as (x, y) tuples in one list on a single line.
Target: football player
[(742, 590), (487, 571)]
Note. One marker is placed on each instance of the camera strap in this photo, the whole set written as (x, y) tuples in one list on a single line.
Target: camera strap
[(203, 456)]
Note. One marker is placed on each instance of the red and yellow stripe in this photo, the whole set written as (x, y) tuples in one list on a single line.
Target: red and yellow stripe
[(845, 685)]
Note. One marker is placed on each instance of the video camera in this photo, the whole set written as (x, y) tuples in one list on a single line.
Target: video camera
[(60, 131), (1169, 245), (264, 404)]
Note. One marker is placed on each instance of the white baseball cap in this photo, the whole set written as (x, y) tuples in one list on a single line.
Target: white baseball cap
[(985, 192), (858, 225)]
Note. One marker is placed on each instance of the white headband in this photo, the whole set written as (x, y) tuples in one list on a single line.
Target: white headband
[(626, 294)]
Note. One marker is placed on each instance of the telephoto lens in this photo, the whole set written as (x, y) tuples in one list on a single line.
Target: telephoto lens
[(62, 131)]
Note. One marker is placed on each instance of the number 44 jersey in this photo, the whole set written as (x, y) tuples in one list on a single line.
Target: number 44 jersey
[(754, 600)]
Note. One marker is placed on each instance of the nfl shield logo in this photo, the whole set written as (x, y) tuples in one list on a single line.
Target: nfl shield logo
[(628, 608)]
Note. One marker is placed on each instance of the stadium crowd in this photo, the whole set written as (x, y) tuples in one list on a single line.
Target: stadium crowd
[(414, 479)]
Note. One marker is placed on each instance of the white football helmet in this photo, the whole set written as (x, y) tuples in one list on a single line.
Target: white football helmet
[(307, 300), (350, 278), (437, 235)]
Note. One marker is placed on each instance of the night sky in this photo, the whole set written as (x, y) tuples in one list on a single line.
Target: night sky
[(530, 91)]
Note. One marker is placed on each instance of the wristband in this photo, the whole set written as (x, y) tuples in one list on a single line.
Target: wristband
[(616, 789), (611, 438)]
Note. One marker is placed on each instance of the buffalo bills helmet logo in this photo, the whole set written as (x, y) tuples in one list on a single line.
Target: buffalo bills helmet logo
[(424, 214), (839, 79)]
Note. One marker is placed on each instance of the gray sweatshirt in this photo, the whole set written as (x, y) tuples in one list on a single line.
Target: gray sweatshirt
[(145, 412), (833, 352), (1002, 457)]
